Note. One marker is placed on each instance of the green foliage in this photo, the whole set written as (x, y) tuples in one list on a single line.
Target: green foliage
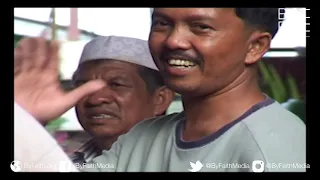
[(297, 107), (17, 38), (279, 89), (285, 90), (55, 124), (293, 87)]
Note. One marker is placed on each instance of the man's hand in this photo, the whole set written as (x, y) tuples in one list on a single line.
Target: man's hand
[(36, 80)]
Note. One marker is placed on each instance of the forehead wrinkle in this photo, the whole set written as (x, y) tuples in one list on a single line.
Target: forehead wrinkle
[(103, 71)]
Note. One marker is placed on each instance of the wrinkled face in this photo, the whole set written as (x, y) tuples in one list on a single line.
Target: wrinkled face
[(198, 50), (124, 101)]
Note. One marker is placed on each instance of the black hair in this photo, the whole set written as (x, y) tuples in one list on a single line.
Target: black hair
[(151, 77), (265, 19)]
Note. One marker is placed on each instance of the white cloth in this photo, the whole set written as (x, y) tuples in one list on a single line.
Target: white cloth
[(35, 150)]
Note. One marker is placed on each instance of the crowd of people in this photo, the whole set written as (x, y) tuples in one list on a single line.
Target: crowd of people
[(124, 86)]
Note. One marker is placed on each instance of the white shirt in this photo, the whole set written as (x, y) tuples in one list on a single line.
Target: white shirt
[(35, 150)]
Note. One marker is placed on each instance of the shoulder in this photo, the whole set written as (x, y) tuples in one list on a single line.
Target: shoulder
[(148, 130), (138, 140), (155, 124), (274, 121), (275, 135)]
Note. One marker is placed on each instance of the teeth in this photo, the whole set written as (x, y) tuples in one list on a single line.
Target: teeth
[(179, 62), (102, 116)]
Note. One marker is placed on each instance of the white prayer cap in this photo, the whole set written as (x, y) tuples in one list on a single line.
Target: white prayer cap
[(120, 48)]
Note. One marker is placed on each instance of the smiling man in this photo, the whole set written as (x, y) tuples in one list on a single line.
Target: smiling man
[(209, 56), (135, 91)]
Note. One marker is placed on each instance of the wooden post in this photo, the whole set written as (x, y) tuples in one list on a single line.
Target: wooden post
[(73, 30), (53, 24)]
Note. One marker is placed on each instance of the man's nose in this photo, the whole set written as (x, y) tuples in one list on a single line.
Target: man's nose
[(103, 96), (178, 39)]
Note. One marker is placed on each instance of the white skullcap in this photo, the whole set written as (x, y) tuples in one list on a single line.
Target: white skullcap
[(120, 48)]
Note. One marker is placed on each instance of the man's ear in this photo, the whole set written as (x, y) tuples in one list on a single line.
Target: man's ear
[(259, 44), (162, 100)]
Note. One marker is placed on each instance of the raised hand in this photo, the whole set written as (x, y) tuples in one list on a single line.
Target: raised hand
[(36, 80)]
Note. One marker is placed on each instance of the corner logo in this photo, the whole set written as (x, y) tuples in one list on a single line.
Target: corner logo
[(195, 167), (16, 166), (257, 166), (282, 16), (65, 166)]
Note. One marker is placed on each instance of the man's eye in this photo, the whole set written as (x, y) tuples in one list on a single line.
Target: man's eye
[(159, 23), (202, 27), (115, 84)]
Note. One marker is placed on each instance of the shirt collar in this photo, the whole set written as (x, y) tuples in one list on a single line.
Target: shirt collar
[(86, 152)]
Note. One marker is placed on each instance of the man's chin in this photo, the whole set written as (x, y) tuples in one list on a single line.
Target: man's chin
[(98, 134), (183, 87), (104, 132)]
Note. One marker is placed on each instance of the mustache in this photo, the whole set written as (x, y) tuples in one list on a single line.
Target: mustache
[(179, 54)]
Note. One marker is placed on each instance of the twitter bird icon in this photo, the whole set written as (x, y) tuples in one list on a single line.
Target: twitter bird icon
[(195, 167)]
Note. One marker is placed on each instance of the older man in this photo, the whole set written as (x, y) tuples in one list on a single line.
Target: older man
[(209, 56), (134, 91)]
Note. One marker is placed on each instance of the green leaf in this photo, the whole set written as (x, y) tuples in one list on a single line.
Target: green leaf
[(280, 85), (276, 87), (266, 75), (55, 124), (297, 107), (293, 87), (275, 93)]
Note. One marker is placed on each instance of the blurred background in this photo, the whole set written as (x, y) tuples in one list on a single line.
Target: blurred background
[(282, 70)]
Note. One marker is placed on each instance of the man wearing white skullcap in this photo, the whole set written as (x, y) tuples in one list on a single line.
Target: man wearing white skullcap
[(135, 91)]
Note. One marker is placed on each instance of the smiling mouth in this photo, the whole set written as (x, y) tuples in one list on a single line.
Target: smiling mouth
[(100, 119), (102, 116), (181, 63)]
